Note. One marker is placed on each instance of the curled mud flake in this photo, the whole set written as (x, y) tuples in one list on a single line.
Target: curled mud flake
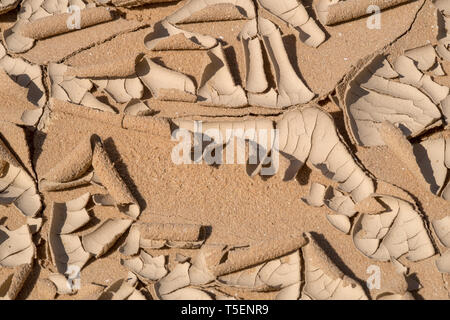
[(290, 88), (397, 231), (72, 89), (201, 11), (7, 5), (425, 57), (10, 288), (14, 41), (181, 258), (32, 10), (66, 249), (445, 107), (442, 229), (166, 36), (70, 216), (62, 284), (16, 247), (123, 289), (14, 109), (443, 262), (370, 99), (412, 76), (103, 200), (111, 180), (57, 23), (146, 267), (178, 278), (26, 75), (166, 84), (316, 195), (323, 279), (291, 292), (215, 261), (16, 185), (332, 12), (137, 108), (399, 267), (339, 203), (340, 222), (218, 87), (39, 19), (122, 90), (432, 160), (397, 143), (307, 134), (295, 14), (437, 70), (256, 80), (444, 26), (272, 275), (99, 241), (207, 257), (381, 67)]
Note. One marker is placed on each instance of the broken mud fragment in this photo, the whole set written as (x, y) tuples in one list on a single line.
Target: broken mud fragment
[(295, 14), (146, 267), (8, 5), (398, 230), (371, 98), (16, 247), (99, 241), (123, 289), (323, 279), (66, 248), (316, 195), (166, 84), (72, 89)]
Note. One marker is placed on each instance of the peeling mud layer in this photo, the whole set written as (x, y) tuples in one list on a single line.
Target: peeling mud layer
[(225, 149)]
